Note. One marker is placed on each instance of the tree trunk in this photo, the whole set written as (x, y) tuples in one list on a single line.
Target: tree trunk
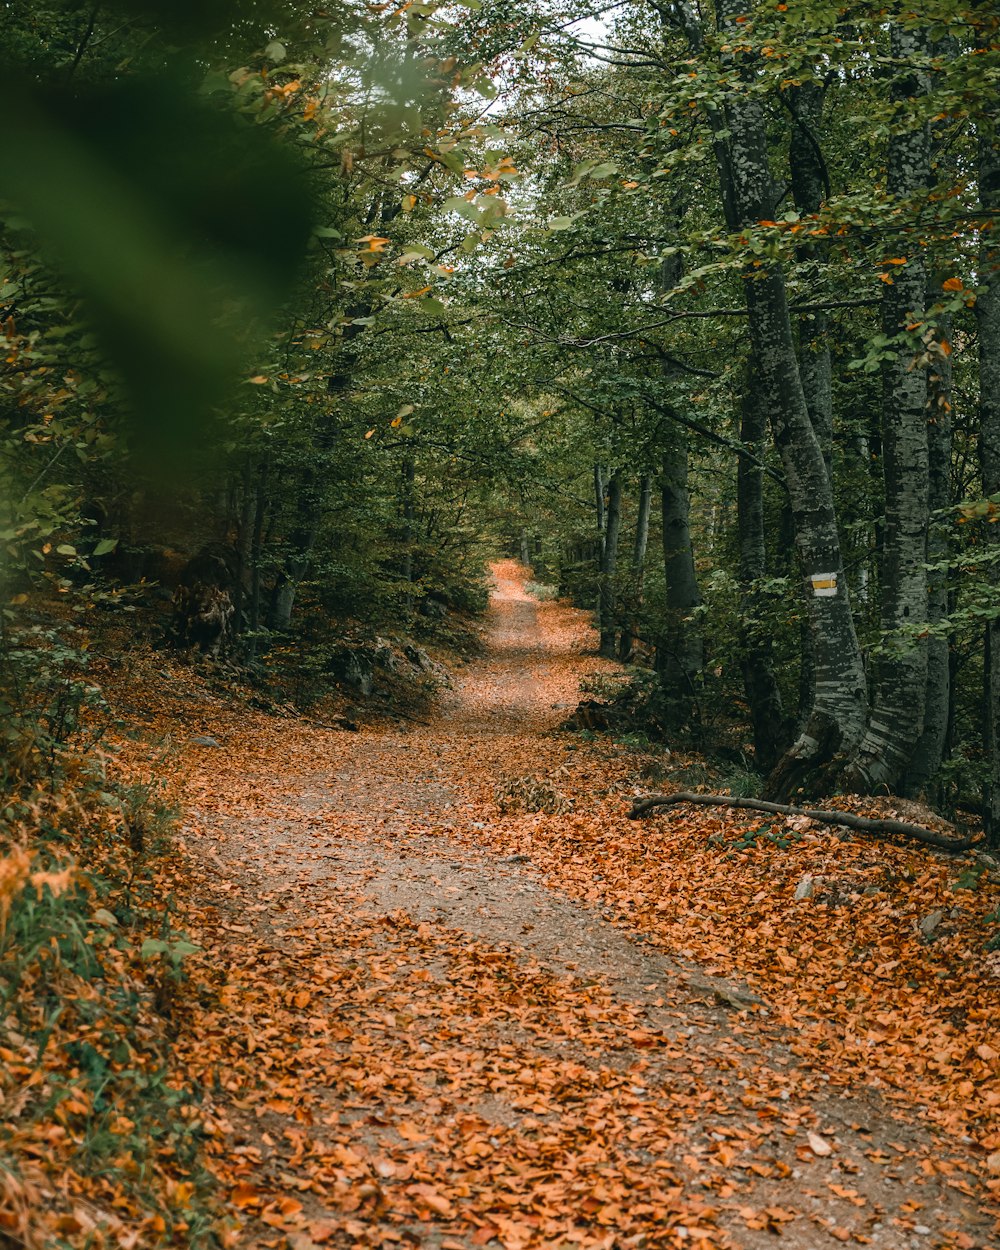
[(301, 543), (256, 548), (681, 654), (244, 533), (609, 566), (642, 526), (928, 754), (808, 175), (408, 511), (897, 717), (771, 728), (988, 317), (837, 717), (628, 637)]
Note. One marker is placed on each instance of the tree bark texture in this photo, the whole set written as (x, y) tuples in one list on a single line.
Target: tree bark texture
[(609, 566), (628, 636), (988, 317), (928, 754), (599, 503), (897, 717), (301, 542), (256, 552), (771, 729), (681, 653), (809, 187), (837, 716)]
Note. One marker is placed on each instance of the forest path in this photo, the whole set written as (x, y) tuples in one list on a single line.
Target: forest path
[(421, 1034)]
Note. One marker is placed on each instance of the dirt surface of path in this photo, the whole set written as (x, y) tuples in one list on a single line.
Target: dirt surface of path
[(422, 1032)]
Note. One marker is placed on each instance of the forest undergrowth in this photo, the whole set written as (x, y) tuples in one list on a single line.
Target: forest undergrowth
[(244, 1039)]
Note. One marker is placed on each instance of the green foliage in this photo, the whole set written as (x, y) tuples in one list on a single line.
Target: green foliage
[(545, 592), (77, 1012)]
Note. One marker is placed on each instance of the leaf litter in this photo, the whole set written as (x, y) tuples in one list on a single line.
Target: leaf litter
[(425, 1015)]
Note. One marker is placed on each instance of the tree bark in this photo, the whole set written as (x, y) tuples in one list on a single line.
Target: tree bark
[(256, 550), (609, 566), (809, 187), (771, 727), (244, 530), (837, 717), (408, 513), (988, 317), (681, 653), (928, 754), (599, 503), (302, 542), (626, 645), (897, 717)]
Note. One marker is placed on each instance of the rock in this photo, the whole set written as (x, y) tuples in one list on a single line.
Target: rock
[(358, 676), (930, 923), (804, 889), (203, 740)]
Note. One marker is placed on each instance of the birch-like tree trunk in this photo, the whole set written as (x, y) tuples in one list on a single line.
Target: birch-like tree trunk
[(836, 720), (897, 718), (808, 177), (771, 727)]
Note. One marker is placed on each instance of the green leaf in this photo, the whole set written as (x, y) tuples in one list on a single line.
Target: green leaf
[(153, 946), (275, 52), (603, 171), (105, 545), (561, 223), (459, 204), (416, 252), (430, 305)]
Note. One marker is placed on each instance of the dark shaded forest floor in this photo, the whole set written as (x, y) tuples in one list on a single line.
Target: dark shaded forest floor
[(427, 1015)]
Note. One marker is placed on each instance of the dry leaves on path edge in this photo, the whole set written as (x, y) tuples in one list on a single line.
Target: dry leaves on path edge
[(378, 1075)]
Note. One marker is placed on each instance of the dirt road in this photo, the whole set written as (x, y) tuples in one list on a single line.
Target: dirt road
[(417, 1030)]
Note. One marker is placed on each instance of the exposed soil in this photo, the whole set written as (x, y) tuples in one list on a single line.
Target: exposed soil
[(425, 1035)]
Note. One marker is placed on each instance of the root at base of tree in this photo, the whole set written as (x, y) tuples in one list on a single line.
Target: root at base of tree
[(848, 819)]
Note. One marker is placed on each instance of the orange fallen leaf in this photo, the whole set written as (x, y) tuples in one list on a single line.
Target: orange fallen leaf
[(245, 1195)]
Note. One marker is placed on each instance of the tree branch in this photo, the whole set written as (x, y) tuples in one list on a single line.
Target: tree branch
[(848, 819)]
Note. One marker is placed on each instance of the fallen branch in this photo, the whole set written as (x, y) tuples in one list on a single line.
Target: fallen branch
[(862, 823), (383, 706), (339, 722)]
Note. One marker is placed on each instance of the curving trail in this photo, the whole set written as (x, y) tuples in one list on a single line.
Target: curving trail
[(417, 1029)]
